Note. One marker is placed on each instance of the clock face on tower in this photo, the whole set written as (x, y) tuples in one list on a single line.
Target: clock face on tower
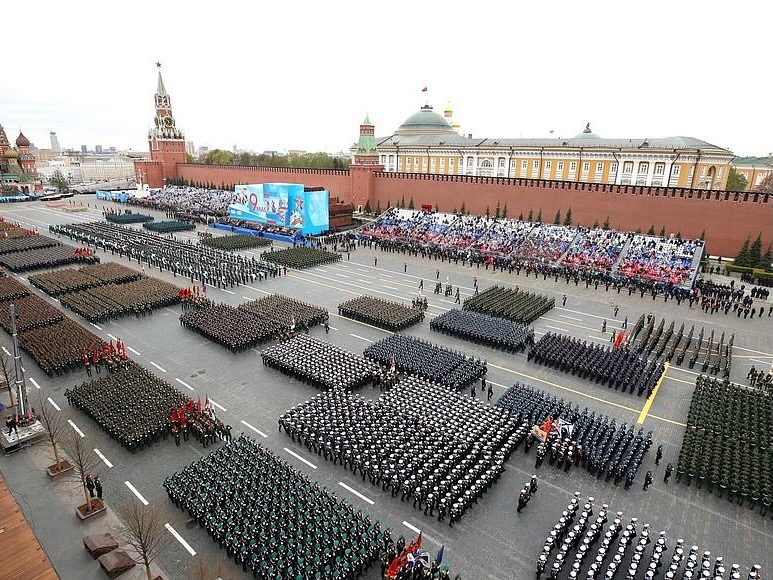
[(168, 121)]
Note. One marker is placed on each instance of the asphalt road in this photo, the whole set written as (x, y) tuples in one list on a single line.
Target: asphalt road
[(492, 540)]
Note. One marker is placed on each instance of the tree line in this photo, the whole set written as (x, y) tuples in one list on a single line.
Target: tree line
[(304, 161)]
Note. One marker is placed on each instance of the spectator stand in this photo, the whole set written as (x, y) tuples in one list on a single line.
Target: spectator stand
[(320, 363), (570, 438), (547, 243), (386, 314), (665, 260), (440, 365), (728, 443), (597, 250), (480, 328), (511, 304)]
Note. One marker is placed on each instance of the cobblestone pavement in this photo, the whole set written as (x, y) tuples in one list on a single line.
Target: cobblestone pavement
[(492, 540)]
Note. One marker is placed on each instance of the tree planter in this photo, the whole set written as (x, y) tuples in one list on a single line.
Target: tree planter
[(58, 469), (97, 507)]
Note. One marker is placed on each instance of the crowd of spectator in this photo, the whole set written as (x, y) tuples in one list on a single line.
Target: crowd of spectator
[(607, 255), (189, 201)]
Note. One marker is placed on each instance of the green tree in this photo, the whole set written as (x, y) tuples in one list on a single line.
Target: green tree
[(59, 181), (568, 217), (497, 211), (189, 158), (520, 217), (766, 262), (651, 231), (742, 258), (557, 219), (410, 204), (378, 207), (454, 212), (755, 252), (606, 223), (735, 181), (504, 211), (437, 208), (531, 215), (389, 203), (638, 231), (402, 202), (663, 232), (539, 216), (488, 212), (703, 235), (595, 225), (367, 207), (464, 208), (679, 235), (219, 157)]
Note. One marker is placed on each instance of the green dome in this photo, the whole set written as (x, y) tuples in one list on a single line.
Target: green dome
[(425, 122)]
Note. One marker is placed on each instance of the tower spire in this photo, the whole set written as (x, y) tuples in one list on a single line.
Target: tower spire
[(160, 89)]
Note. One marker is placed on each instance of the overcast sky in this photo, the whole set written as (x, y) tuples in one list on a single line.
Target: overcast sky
[(303, 75)]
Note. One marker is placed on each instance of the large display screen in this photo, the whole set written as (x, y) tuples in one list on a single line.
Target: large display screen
[(283, 204)]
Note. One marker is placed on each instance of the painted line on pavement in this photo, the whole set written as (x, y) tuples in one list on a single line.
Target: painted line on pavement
[(183, 383), (363, 281), (158, 367), (256, 289), (557, 328), (691, 383), (102, 457), (246, 297), (391, 287), (137, 493), (332, 327), (689, 372), (360, 337), (219, 406), (355, 492), (178, 537), (342, 275), (134, 351), (5, 350), (258, 431), (298, 457), (411, 527), (498, 384), (75, 428), (96, 326), (111, 336), (53, 404), (34, 382), (571, 317), (754, 351), (646, 409)]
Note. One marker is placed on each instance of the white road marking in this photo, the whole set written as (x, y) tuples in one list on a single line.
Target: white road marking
[(332, 327), (246, 297), (34, 382), (5, 350), (258, 431), (498, 384), (53, 404), (360, 337), (137, 493), (111, 336), (184, 384), (96, 326), (570, 317), (158, 367), (218, 406), (224, 290), (306, 461), (557, 328), (102, 457), (391, 287), (355, 492), (134, 351), (75, 428), (178, 537), (343, 276), (411, 527), (363, 281)]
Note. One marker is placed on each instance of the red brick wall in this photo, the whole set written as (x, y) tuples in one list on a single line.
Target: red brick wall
[(726, 223), (336, 181), (150, 172)]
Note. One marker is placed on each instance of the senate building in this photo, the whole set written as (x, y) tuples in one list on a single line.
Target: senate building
[(428, 142)]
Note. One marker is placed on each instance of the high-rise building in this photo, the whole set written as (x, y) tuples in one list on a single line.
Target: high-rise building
[(97, 148), (189, 148), (84, 149), (55, 147)]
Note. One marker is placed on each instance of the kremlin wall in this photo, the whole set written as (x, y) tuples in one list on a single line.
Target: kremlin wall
[(725, 218)]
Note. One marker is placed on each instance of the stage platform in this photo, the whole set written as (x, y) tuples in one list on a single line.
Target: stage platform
[(24, 437)]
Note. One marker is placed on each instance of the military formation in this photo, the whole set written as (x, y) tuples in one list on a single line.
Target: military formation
[(31, 312), (761, 379), (569, 438), (127, 217), (287, 311), (273, 520), (106, 302), (434, 448), (424, 359), (193, 261), (11, 288), (728, 443), (587, 544), (510, 303), (319, 363), (169, 227), (47, 257), (498, 333), (620, 368), (301, 257), (25, 243), (59, 347), (236, 329), (66, 280), (387, 314), (235, 243)]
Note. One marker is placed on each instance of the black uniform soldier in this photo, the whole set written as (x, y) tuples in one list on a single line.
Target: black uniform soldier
[(533, 485), (563, 300), (647, 480), (523, 499), (669, 471), (472, 391), (658, 455), (90, 484), (490, 391), (98, 486)]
